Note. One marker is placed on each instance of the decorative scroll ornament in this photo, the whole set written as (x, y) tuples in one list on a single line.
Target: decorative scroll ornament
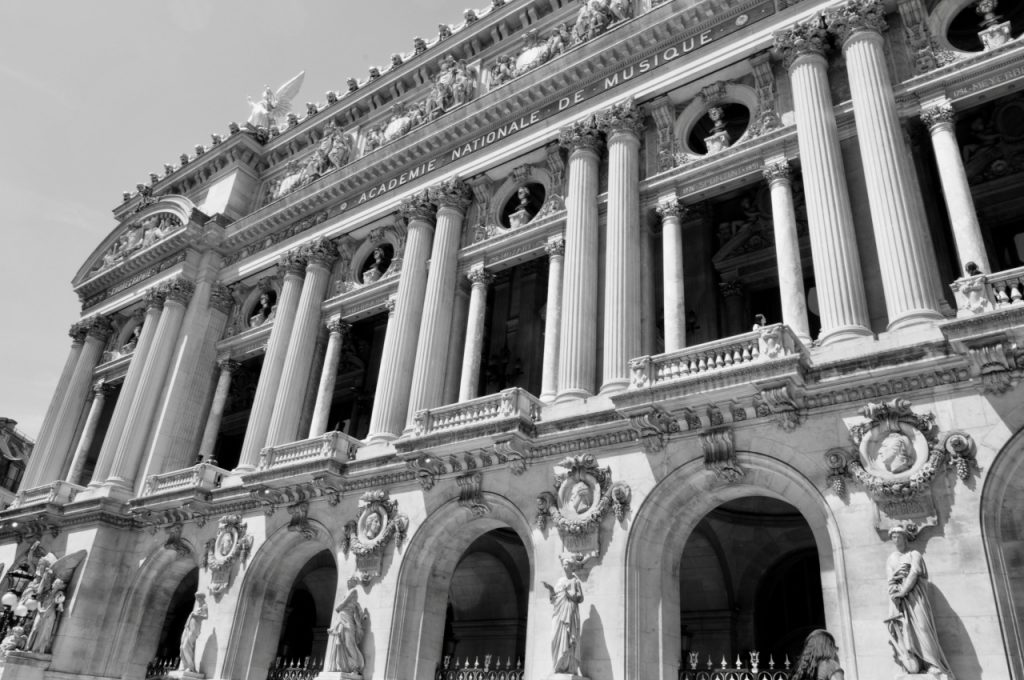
[(377, 522), (720, 455), (471, 494), (299, 521), (653, 428), (225, 552), (584, 493)]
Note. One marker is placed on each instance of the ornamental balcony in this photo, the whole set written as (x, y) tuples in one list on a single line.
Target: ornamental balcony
[(305, 459), (729, 370), (981, 293), (54, 493), (203, 477)]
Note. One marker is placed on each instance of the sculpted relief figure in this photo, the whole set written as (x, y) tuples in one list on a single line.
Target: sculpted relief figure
[(344, 653), (15, 639), (912, 633), (44, 628), (273, 107), (566, 596), (190, 634)]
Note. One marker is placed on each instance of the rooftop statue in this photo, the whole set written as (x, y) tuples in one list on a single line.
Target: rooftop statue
[(273, 107)]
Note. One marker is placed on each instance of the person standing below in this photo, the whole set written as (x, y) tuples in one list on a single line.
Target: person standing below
[(820, 658)]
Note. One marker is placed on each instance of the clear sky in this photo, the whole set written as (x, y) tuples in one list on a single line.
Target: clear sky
[(96, 95)]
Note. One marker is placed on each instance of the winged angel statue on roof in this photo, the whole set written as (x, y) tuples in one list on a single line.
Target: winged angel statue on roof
[(273, 107)]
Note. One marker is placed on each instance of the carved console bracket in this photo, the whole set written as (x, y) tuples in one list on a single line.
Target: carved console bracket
[(225, 552), (653, 428), (720, 455), (376, 524), (781, 404), (299, 521), (471, 495), (174, 540)]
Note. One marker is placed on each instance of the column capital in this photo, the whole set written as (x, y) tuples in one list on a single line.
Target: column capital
[(98, 327), (179, 289), (937, 114), (418, 207), (806, 38), (451, 193), (227, 364), (101, 388), (390, 305), (77, 332), (583, 134), (670, 207), (622, 117), (336, 325), (221, 299), (777, 171), (479, 276), (856, 16), (292, 262), (320, 251), (155, 297), (555, 246)]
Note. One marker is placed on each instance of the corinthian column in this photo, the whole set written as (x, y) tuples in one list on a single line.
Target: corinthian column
[(787, 249), (284, 423), (92, 422), (837, 273), (577, 352), (337, 330), (77, 333), (899, 232), (47, 465), (130, 448), (227, 368), (391, 402), (970, 246), (555, 248), (480, 279), (452, 198), (130, 386), (622, 125), (671, 210), (293, 264)]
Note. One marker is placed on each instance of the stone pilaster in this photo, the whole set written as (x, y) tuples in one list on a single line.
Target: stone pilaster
[(475, 326), (390, 404), (46, 465), (130, 386), (100, 390), (622, 125), (671, 212), (787, 249), (555, 248), (837, 271), (284, 422), (899, 232), (139, 423), (226, 368), (293, 266), (452, 198), (970, 246), (337, 331), (577, 355)]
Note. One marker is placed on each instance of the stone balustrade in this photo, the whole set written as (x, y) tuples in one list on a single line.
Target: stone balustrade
[(1007, 287), (201, 477), (514, 403), (979, 293), (58, 492), (330, 446)]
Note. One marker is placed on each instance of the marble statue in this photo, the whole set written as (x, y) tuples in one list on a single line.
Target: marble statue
[(190, 634), (344, 652), (912, 633), (376, 270), (44, 627), (273, 107), (263, 313), (566, 596), (15, 639)]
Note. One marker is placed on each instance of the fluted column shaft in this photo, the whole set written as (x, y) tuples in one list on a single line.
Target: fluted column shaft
[(471, 357), (453, 363), (48, 464), (337, 330), (391, 402), (92, 423), (837, 271), (963, 216), (273, 361), (671, 211), (284, 423), (427, 390), (787, 250), (622, 329), (899, 237), (77, 334), (227, 369), (577, 352), (130, 387), (555, 248), (130, 448)]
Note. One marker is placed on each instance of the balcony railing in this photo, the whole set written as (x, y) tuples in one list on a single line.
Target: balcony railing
[(770, 343), (201, 477), (490, 669), (753, 669), (988, 292), (55, 492), (305, 668), (161, 668), (514, 403), (333, 445)]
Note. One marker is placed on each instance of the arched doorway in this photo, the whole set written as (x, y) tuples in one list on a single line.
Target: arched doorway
[(169, 642), (307, 616), (486, 612), (749, 581)]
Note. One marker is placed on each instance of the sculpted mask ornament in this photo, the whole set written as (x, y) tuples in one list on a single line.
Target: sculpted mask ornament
[(223, 553), (368, 535)]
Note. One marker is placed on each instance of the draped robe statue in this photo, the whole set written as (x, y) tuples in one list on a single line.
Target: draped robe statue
[(566, 596), (190, 634), (344, 652)]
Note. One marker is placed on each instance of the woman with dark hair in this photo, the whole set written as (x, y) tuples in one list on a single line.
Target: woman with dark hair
[(820, 658)]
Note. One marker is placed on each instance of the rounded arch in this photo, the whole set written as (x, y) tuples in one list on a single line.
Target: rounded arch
[(262, 598), (425, 577), (507, 190), (664, 522), (144, 610), (1002, 534), (695, 110)]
